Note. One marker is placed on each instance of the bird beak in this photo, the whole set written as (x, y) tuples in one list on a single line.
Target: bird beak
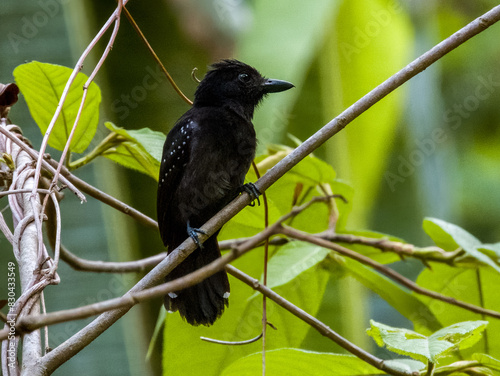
[(275, 86)]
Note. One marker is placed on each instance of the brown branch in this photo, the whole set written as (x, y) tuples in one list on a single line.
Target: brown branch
[(81, 264), (155, 57), (386, 271), (425, 254)]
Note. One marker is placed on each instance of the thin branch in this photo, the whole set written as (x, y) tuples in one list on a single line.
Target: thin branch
[(155, 57), (111, 41), (109, 266), (299, 235), (424, 254), (266, 257)]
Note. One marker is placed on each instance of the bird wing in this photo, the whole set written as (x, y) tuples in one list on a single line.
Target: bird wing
[(176, 153)]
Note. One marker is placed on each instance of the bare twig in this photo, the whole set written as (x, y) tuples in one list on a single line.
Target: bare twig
[(299, 235), (155, 57), (425, 254)]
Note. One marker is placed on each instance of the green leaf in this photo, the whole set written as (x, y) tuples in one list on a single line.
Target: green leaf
[(407, 342), (445, 234), (292, 260), (463, 334), (296, 362), (151, 141), (491, 250), (139, 150), (42, 85), (449, 237), (312, 170)]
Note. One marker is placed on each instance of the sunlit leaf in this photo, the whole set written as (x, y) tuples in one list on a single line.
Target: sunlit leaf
[(423, 348), (450, 237), (42, 85), (135, 150)]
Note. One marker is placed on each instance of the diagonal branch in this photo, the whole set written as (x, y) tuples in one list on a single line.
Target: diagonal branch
[(81, 339), (299, 235)]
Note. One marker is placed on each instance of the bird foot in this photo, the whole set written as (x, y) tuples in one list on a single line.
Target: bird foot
[(193, 234), (253, 192)]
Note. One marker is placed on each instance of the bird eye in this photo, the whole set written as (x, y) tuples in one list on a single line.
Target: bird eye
[(243, 77)]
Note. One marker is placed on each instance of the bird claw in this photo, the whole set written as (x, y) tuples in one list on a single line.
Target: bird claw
[(193, 234), (253, 192)]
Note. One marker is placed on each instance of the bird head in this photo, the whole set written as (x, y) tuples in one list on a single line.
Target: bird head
[(231, 81)]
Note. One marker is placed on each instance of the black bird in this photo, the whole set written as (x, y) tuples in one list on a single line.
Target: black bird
[(205, 158)]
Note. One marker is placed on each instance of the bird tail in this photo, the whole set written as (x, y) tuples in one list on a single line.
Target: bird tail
[(204, 302)]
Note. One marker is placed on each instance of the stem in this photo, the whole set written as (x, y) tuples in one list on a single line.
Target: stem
[(155, 57), (104, 145)]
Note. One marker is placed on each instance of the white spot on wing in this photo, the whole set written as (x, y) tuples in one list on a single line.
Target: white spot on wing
[(172, 295), (226, 295)]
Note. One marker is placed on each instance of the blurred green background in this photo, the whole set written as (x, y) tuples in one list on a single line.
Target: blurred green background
[(428, 149)]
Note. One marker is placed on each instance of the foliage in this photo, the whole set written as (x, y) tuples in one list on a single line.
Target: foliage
[(300, 271), (42, 85), (427, 348)]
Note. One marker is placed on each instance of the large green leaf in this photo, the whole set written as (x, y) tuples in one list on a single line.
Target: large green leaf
[(42, 85), (138, 149), (423, 348), (295, 362)]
